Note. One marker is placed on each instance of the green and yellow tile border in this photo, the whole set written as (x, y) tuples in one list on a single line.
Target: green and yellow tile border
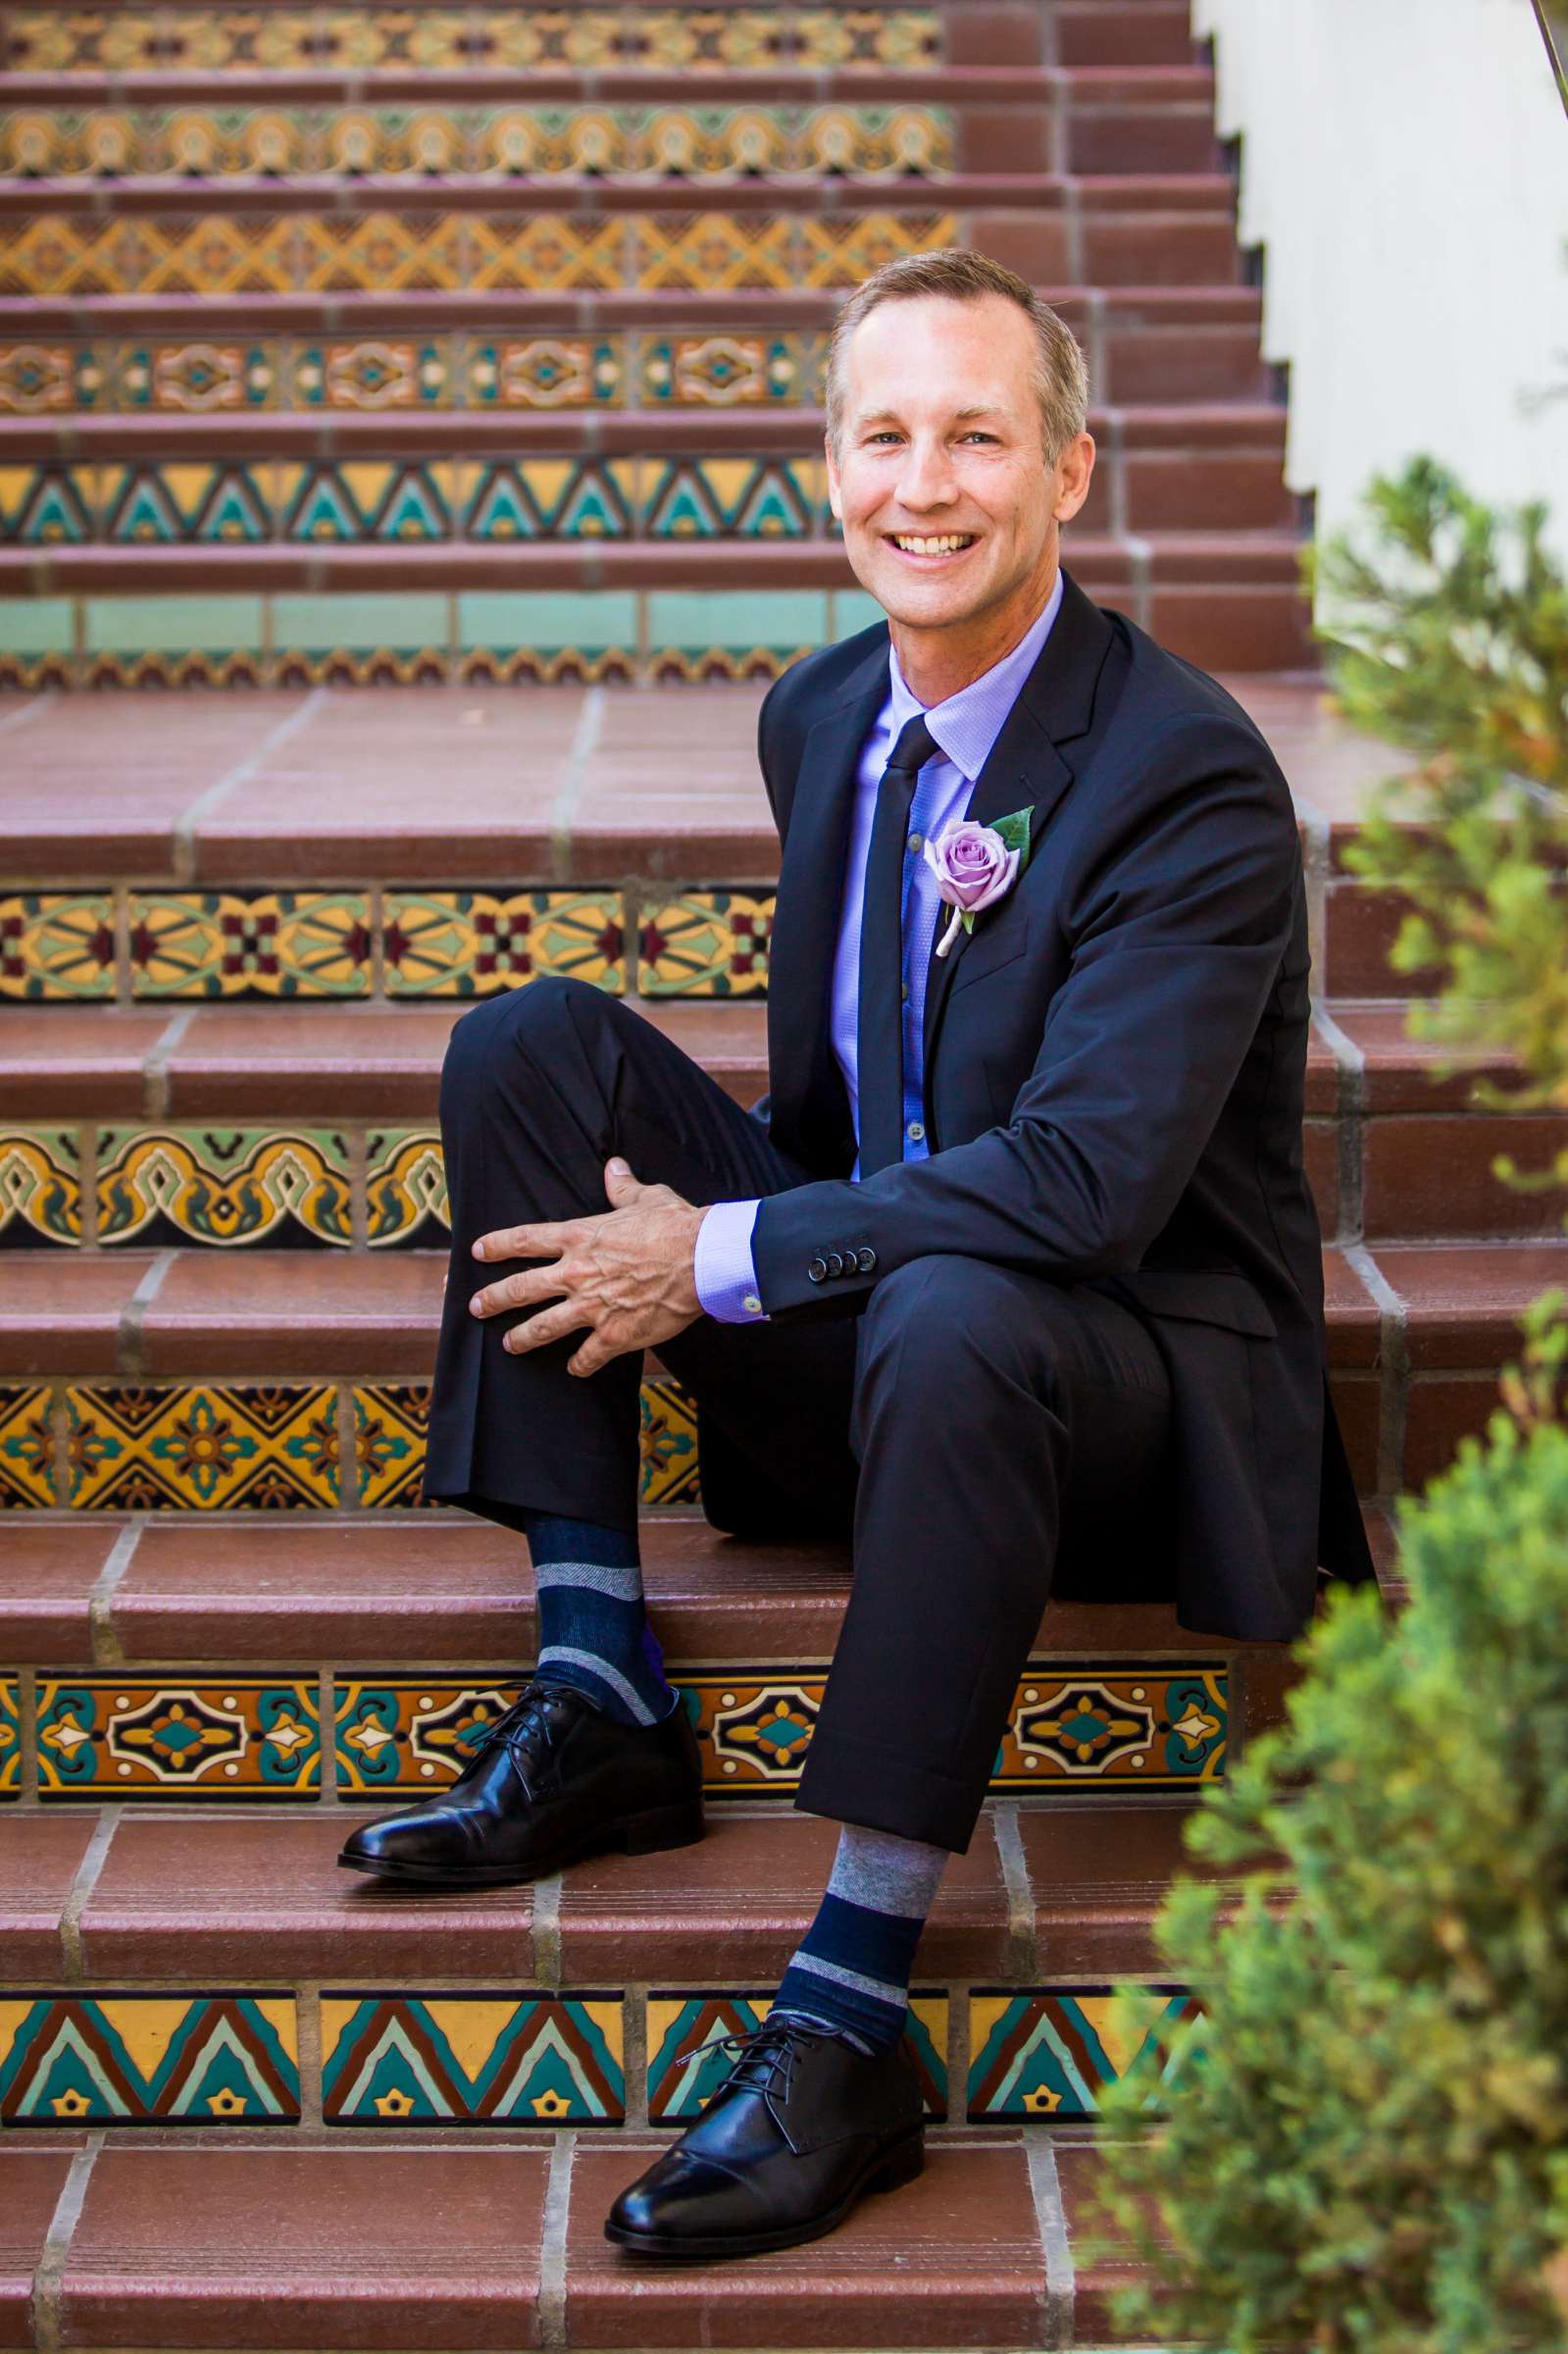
[(531, 2057)]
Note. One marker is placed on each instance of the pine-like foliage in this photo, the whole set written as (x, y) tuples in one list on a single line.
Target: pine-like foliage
[(1367, 2135)]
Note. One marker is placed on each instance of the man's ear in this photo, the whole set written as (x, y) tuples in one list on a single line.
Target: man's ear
[(832, 480)]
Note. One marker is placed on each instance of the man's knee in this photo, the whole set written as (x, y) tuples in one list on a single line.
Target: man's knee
[(543, 1020)]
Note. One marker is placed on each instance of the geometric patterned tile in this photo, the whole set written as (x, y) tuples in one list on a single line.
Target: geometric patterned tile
[(669, 1445), (1161, 1725), (201, 1446), (40, 1186), (287, 944), (1047, 2052), (26, 1448), (496, 2058), (682, 2021), (149, 40), (705, 944), (406, 1733), (391, 1422), (204, 1737), (149, 2059), (736, 370), (10, 1736), (470, 944), (405, 1186), (223, 1186), (753, 1726), (54, 945)]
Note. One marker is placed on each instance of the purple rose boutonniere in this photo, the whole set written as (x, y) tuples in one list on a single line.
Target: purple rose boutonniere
[(977, 865)]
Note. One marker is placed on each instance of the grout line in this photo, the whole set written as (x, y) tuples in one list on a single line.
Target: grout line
[(128, 1352), (958, 2051), (1143, 559), (48, 2331), (28, 712), (1050, 2217), (1393, 1357), (90, 1152), (1349, 1124), (635, 2051), (547, 1932), (569, 792), (183, 833), (1023, 1958), (552, 2246), (106, 1651), (81, 1888), (28, 1706), (308, 2029), (330, 1792), (155, 1069)]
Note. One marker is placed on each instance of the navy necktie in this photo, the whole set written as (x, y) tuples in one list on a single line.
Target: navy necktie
[(878, 1027)]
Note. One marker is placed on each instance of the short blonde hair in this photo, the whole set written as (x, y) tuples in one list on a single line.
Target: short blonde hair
[(1061, 373)]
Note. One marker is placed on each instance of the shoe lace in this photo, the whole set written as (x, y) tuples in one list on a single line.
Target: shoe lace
[(526, 1729), (764, 2057)]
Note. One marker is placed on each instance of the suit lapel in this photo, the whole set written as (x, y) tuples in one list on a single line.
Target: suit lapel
[(811, 877), (1026, 765)]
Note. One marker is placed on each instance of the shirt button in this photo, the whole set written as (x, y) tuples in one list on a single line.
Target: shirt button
[(816, 1270), (913, 841), (752, 1305), (915, 1131)]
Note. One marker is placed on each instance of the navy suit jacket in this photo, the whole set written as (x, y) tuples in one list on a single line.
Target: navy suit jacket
[(1115, 1063)]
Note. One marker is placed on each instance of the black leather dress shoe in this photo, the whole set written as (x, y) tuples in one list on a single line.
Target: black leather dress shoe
[(801, 2128), (555, 1780)]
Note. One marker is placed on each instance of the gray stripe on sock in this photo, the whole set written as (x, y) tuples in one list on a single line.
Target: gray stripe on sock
[(626, 1585), (886, 1873), (558, 1655), (897, 1997)]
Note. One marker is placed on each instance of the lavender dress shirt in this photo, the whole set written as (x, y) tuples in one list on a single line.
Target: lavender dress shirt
[(965, 727)]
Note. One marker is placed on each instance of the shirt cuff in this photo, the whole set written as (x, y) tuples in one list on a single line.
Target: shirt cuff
[(722, 1270)]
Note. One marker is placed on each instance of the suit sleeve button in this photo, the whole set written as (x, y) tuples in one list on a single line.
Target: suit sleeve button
[(816, 1270), (865, 1258), (836, 1263)]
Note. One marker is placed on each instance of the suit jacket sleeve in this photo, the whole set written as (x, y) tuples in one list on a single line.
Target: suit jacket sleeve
[(1176, 927)]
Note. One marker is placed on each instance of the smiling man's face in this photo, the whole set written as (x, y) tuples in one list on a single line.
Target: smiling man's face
[(950, 509)]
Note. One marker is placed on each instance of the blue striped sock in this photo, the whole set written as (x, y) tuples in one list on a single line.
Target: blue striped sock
[(852, 1970), (594, 1630)]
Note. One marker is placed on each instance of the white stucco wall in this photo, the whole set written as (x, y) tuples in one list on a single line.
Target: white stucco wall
[(1404, 165)]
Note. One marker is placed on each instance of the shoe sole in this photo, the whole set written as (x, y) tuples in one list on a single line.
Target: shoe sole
[(890, 2171), (645, 1834)]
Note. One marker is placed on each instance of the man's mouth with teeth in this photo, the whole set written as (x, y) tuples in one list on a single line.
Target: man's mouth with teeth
[(947, 543)]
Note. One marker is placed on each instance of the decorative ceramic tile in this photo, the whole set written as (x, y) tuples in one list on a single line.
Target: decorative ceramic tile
[(201, 1447), (405, 1185), (413, 1733), (40, 1186), (669, 1445), (149, 2059), (680, 2023), (223, 1186), (1048, 2051), (96, 40), (1161, 1725), (279, 944), (705, 944), (472, 2059), (26, 1448), (530, 142), (10, 1736), (731, 370), (468, 944), (753, 1726), (53, 944), (391, 1421), (105, 1736), (224, 253)]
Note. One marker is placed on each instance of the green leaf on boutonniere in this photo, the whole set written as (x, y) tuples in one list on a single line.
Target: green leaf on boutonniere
[(1014, 830)]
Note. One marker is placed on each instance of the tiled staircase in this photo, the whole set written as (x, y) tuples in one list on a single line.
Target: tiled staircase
[(476, 416)]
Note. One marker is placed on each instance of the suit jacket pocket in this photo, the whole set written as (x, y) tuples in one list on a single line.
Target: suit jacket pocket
[(991, 945), (1197, 1296)]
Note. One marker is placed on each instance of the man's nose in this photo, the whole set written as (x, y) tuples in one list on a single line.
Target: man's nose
[(926, 479)]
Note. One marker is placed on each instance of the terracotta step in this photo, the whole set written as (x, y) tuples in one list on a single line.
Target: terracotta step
[(262, 2246)]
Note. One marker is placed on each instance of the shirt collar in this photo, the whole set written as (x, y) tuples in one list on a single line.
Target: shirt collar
[(967, 725)]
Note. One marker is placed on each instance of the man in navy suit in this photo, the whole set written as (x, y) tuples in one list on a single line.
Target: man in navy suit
[(1014, 1277)]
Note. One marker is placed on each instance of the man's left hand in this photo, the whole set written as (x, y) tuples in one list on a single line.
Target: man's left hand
[(626, 1274)]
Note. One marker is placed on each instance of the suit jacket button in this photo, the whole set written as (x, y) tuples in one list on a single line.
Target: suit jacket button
[(865, 1258), (816, 1270), (836, 1263)]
